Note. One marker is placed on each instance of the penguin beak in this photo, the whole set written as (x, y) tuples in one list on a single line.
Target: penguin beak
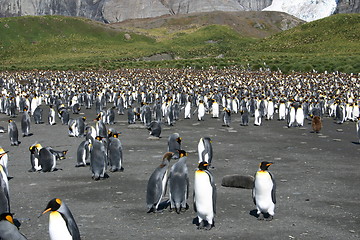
[(270, 163), (46, 210)]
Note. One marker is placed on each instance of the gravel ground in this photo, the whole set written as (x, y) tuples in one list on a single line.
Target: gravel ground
[(317, 179)]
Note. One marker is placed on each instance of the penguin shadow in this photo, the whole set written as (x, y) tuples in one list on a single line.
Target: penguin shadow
[(254, 214), (356, 143), (30, 134)]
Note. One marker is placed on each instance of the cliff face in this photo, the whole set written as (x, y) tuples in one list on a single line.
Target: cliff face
[(348, 6), (119, 10)]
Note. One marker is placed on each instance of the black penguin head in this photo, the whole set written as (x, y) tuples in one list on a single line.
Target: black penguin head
[(179, 140), (265, 165), (10, 120), (53, 205), (203, 166), (7, 217), (182, 153), (98, 138)]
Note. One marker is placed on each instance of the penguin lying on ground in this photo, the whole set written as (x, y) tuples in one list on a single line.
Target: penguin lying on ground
[(62, 224), (155, 129), (264, 192)]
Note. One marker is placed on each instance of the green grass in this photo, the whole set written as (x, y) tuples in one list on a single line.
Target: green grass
[(62, 43)]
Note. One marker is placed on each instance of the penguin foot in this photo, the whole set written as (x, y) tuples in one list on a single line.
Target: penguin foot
[(208, 227), (201, 225), (269, 218), (260, 217)]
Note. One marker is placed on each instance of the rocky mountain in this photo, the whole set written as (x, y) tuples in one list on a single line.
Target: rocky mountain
[(118, 10)]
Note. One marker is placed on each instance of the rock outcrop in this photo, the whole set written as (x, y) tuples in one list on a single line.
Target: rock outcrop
[(119, 10)]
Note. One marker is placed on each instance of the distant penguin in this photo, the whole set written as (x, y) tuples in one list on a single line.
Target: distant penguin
[(204, 197), (4, 159), (100, 126), (34, 157), (115, 154), (47, 160), (282, 110), (83, 154), (110, 116), (358, 129), (157, 183), (72, 127), (37, 115), (13, 133), (25, 123), (215, 109), (64, 116), (2, 129), (205, 150), (174, 144), (8, 230), (80, 123), (226, 117), (98, 159), (59, 154), (257, 117), (299, 116), (201, 111), (179, 184), (292, 116), (155, 129), (244, 117), (76, 108), (4, 192), (187, 112), (316, 124), (51, 116), (264, 192), (131, 115), (270, 110), (62, 225)]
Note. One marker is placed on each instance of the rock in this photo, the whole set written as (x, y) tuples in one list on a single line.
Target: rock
[(110, 11), (127, 36), (238, 181)]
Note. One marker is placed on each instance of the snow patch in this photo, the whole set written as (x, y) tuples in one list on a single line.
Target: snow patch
[(307, 10)]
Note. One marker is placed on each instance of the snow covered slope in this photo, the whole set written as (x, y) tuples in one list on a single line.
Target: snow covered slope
[(307, 10)]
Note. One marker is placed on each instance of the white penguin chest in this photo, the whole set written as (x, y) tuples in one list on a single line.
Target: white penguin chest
[(57, 227), (263, 188), (203, 192)]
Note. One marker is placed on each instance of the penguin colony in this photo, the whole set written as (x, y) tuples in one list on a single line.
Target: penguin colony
[(155, 99)]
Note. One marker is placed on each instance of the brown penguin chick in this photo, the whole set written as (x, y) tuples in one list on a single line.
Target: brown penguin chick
[(316, 124)]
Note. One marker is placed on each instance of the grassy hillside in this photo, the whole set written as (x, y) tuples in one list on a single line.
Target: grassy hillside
[(54, 42)]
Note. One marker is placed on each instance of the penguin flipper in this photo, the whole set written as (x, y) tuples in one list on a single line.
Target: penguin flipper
[(195, 210), (273, 190), (71, 225)]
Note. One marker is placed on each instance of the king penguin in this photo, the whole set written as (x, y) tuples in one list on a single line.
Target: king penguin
[(179, 184), (358, 128), (156, 187), (47, 160), (4, 192), (83, 154), (205, 150), (13, 133), (264, 191), (227, 117), (4, 159), (98, 159), (34, 157), (204, 197), (8, 230), (174, 144), (25, 123), (51, 115), (115, 154), (155, 129), (38, 115), (62, 225)]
